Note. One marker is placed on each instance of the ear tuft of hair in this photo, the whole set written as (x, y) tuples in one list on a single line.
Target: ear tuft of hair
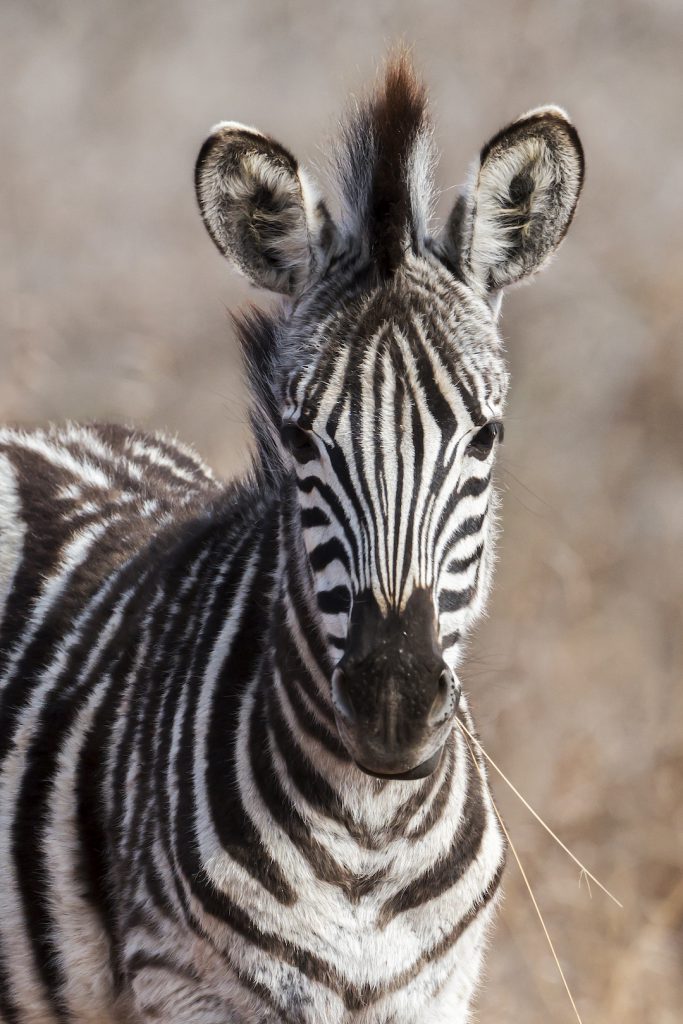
[(385, 164)]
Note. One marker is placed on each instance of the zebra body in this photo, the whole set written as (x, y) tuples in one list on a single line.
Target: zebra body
[(179, 678), (231, 789)]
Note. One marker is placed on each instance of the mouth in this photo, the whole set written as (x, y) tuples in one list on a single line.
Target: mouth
[(420, 771)]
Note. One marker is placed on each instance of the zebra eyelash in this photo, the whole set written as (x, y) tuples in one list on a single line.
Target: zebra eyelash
[(299, 442), (483, 442)]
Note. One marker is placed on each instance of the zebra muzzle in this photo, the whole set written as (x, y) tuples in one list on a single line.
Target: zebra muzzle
[(394, 697)]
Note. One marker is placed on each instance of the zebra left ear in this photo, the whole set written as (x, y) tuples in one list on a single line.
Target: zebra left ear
[(261, 209), (520, 203)]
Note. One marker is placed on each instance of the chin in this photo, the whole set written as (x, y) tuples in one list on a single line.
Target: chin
[(418, 771)]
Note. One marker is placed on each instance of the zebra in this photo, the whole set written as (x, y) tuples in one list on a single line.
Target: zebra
[(231, 784)]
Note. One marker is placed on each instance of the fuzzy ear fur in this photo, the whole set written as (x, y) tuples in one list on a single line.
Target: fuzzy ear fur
[(520, 203), (260, 208)]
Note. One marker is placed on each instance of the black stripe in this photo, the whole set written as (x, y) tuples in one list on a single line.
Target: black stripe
[(443, 875), (328, 552), (311, 784), (233, 825), (312, 517), (462, 564), (454, 600), (334, 601)]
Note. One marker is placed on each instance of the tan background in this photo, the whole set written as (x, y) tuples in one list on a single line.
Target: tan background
[(112, 305)]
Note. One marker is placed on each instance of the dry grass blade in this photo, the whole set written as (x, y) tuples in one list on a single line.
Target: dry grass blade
[(584, 870), (529, 889)]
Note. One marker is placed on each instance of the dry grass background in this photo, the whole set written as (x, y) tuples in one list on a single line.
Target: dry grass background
[(112, 305)]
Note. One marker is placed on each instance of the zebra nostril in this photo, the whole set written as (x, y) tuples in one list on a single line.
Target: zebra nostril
[(339, 698), (446, 700)]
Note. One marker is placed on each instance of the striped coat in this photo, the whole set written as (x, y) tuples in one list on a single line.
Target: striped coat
[(231, 785)]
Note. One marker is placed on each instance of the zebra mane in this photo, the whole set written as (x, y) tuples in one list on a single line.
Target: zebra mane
[(383, 166), (257, 334)]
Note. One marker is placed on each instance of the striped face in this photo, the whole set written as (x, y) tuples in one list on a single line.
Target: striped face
[(392, 426)]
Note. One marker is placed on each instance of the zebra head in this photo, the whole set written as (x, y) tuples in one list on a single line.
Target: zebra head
[(382, 384)]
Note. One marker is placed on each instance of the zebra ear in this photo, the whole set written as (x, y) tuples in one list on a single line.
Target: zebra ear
[(521, 200), (260, 208)]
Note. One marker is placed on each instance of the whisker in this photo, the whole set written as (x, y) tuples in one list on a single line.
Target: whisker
[(527, 508), (526, 882), (584, 870), (546, 506)]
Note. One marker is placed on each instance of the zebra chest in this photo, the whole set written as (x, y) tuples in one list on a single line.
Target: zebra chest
[(366, 946)]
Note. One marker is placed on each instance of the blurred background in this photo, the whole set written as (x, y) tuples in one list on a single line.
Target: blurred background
[(113, 305)]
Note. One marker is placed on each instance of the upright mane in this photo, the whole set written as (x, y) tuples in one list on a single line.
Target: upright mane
[(384, 163)]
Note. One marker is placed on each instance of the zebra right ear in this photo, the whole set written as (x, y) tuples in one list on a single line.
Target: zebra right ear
[(260, 208)]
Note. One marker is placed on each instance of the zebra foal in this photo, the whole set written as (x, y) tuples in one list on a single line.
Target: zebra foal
[(231, 789)]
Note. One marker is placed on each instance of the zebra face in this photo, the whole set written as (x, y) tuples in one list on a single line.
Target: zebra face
[(391, 428), (380, 386)]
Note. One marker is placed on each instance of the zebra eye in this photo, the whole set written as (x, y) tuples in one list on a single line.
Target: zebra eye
[(481, 444), (299, 442)]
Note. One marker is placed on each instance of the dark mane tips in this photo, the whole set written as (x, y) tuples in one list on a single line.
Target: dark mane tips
[(385, 165), (257, 335)]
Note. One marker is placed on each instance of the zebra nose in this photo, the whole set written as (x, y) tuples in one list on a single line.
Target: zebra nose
[(446, 699), (340, 696), (443, 706)]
